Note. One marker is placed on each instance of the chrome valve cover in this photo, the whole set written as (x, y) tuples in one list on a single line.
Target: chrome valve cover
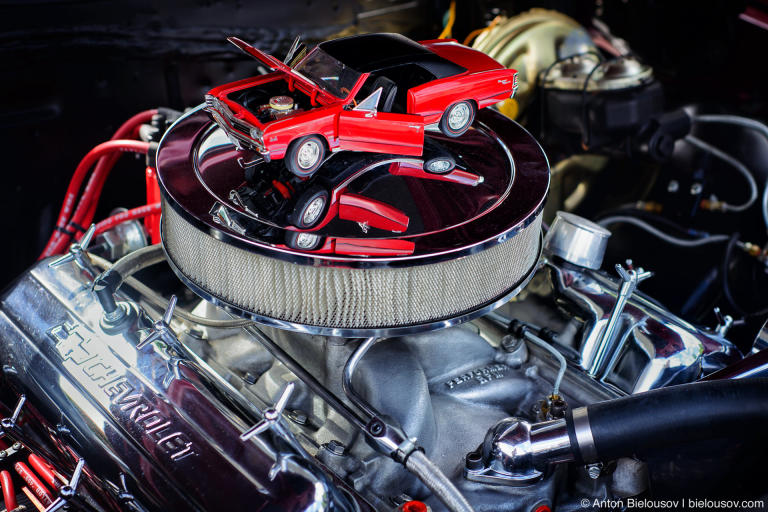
[(154, 424)]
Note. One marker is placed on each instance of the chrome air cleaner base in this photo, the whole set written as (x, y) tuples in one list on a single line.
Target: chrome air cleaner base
[(400, 250)]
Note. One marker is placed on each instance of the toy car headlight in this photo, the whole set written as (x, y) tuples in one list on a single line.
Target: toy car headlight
[(256, 133)]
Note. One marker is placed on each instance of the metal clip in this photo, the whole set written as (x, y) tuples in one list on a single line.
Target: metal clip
[(77, 251), (68, 490), (161, 329)]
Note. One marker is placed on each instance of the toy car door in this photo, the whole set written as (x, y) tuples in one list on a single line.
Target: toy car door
[(364, 128)]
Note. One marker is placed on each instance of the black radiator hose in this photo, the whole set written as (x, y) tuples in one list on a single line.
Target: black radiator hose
[(669, 416)]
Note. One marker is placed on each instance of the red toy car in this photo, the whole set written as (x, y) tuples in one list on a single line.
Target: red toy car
[(372, 92)]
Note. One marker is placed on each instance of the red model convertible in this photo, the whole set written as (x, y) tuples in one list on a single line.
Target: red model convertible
[(372, 92)]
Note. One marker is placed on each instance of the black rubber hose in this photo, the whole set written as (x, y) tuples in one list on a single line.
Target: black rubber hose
[(672, 416)]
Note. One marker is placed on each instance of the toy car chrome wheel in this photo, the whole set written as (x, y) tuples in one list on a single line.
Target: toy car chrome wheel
[(303, 241), (305, 155), (457, 118), (310, 207), (439, 165)]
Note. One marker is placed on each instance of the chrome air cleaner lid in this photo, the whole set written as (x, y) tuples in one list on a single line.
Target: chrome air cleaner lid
[(427, 251)]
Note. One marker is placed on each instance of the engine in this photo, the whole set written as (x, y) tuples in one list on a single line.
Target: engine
[(375, 335)]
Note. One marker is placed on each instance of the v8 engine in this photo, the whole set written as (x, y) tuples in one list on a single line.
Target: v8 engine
[(390, 275)]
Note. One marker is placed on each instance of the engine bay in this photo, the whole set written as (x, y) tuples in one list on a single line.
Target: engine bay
[(556, 305)]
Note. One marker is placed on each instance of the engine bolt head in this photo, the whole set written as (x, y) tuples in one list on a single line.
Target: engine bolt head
[(510, 343), (336, 447), (594, 470), (376, 428), (298, 417), (673, 186), (474, 460)]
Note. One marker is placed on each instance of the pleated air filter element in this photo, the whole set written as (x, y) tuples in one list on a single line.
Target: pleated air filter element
[(394, 250)]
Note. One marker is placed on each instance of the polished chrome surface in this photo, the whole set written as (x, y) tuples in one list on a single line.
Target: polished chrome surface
[(161, 329), (124, 238), (576, 240), (197, 167), (515, 452), (158, 417), (761, 340), (472, 244), (506, 455), (596, 357), (655, 347), (77, 250), (550, 443), (755, 364), (584, 434)]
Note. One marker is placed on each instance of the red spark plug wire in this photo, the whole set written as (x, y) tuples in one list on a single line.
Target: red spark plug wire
[(129, 129), (134, 213), (44, 470), (9, 493), (35, 485), (59, 240), (105, 163)]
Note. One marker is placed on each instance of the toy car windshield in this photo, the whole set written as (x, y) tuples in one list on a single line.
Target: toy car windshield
[(328, 73)]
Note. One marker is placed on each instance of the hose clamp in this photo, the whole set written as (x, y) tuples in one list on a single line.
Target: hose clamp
[(583, 433)]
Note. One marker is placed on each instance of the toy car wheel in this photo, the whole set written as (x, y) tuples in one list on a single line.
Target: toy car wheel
[(457, 118), (310, 207), (303, 241), (439, 165), (305, 155)]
